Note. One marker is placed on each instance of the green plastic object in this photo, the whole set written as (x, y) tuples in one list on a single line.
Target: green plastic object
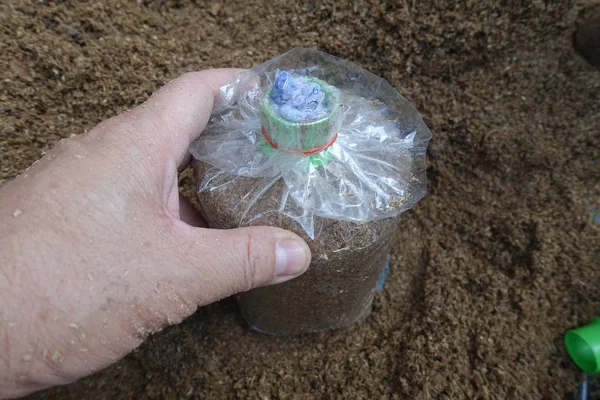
[(583, 346), (298, 137)]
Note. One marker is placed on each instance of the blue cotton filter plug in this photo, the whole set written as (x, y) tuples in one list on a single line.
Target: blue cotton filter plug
[(297, 99)]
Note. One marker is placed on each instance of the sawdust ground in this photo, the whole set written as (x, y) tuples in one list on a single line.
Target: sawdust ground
[(505, 245)]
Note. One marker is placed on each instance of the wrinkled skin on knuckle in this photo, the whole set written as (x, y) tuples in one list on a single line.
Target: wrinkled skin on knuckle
[(107, 127), (256, 264), (119, 134)]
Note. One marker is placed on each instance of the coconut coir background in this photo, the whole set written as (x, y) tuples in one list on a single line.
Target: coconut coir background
[(505, 245)]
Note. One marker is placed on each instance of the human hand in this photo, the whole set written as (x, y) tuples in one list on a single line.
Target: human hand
[(98, 250)]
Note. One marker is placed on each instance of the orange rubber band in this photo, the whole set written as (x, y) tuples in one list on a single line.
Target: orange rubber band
[(306, 152)]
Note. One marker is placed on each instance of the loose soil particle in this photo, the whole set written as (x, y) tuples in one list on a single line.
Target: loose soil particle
[(505, 245)]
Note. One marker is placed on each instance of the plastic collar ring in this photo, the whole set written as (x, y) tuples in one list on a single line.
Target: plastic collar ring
[(309, 152)]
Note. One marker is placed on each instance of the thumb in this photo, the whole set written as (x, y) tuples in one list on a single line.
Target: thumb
[(229, 261)]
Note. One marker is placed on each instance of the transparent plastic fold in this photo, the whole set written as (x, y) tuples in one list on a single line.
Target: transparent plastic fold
[(373, 169)]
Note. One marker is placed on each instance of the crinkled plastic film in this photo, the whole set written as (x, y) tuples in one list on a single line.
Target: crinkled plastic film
[(371, 166)]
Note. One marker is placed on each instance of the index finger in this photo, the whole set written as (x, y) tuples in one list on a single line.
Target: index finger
[(177, 113)]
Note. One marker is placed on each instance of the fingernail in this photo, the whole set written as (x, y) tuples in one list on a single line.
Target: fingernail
[(290, 258)]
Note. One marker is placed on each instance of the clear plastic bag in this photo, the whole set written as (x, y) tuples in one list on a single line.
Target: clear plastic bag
[(374, 169), (337, 167)]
